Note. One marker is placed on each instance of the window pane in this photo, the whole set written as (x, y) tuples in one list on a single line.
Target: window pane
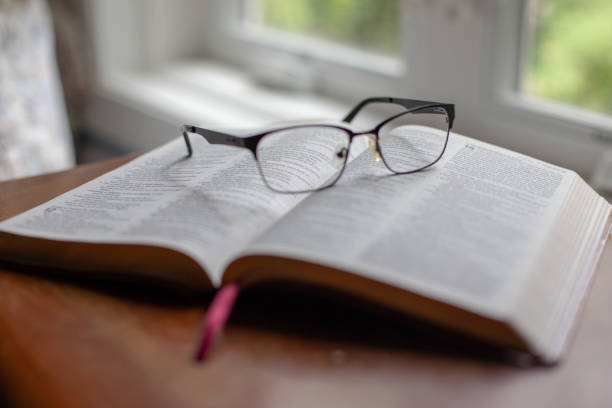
[(371, 25), (571, 52)]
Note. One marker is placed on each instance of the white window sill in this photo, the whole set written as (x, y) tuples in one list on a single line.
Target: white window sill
[(138, 111)]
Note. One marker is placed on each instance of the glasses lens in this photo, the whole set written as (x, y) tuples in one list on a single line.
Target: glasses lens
[(414, 140), (302, 158)]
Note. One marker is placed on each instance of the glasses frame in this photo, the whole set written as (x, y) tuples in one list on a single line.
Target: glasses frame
[(251, 142)]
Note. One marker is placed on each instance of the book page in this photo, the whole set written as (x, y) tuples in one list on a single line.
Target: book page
[(464, 231), (207, 206)]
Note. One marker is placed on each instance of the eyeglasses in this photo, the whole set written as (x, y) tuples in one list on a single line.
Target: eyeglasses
[(310, 157)]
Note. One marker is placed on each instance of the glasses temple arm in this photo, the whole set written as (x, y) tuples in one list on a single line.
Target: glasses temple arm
[(211, 136), (449, 108), (351, 115), (406, 103)]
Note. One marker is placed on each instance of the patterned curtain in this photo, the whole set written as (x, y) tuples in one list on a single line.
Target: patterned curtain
[(34, 131)]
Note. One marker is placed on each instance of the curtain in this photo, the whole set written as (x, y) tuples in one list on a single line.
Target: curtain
[(34, 130)]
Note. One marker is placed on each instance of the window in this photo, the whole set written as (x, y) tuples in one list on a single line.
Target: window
[(569, 53), (368, 25), (498, 61)]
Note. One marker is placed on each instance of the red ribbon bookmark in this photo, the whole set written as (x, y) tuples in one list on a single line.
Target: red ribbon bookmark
[(216, 317)]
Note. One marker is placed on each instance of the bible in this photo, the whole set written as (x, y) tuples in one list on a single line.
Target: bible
[(488, 242)]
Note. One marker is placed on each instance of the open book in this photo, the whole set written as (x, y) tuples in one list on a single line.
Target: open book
[(488, 242)]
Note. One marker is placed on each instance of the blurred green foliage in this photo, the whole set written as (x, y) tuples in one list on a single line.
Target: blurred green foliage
[(571, 58), (373, 25)]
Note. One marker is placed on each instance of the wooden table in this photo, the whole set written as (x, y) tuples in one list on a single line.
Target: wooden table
[(78, 343)]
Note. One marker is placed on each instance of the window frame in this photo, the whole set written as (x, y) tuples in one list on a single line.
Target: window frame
[(499, 93), (480, 80), (513, 42), (339, 70)]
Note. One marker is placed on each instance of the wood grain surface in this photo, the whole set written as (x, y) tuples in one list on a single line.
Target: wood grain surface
[(82, 343)]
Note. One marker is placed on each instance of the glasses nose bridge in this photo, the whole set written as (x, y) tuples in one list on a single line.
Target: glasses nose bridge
[(370, 134), (372, 137)]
